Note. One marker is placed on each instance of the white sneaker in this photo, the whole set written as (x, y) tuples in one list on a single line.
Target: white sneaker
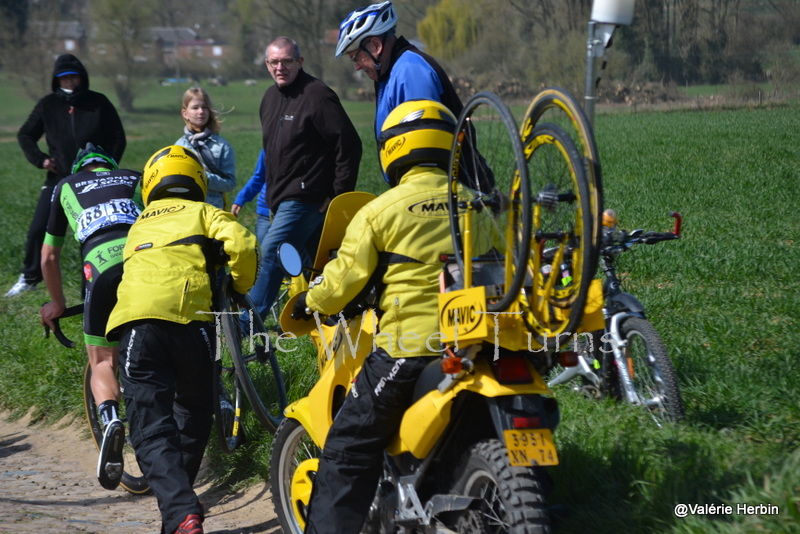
[(20, 287)]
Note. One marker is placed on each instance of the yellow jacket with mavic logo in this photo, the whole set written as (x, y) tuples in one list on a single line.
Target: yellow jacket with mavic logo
[(165, 271), (405, 231)]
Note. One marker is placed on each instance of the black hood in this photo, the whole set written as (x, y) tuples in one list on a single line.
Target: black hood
[(69, 63)]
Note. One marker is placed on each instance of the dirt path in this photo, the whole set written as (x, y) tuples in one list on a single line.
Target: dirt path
[(47, 484)]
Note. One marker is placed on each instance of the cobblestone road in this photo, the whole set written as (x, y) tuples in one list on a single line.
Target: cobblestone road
[(47, 484)]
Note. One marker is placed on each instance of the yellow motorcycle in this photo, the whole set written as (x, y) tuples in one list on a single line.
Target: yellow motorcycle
[(471, 450)]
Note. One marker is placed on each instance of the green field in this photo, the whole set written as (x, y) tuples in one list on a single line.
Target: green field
[(724, 298)]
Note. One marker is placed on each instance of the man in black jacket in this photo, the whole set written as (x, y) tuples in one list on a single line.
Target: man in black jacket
[(312, 152), (69, 117)]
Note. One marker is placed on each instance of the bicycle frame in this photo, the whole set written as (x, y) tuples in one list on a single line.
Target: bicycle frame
[(618, 306), (613, 336)]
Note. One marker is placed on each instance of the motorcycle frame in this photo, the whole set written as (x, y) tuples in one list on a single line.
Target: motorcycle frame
[(428, 426)]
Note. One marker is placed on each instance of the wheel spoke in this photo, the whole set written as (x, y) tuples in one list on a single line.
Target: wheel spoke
[(256, 366), (132, 478), (495, 213), (651, 371)]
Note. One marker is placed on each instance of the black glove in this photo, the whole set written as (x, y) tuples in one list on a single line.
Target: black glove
[(300, 311)]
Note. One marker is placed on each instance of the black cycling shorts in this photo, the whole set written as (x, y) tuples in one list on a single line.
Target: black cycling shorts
[(102, 272)]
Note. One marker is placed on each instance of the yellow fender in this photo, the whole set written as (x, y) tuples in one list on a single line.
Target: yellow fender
[(341, 352), (302, 484), (425, 421)]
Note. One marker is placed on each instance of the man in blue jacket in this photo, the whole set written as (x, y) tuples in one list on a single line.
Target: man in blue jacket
[(400, 71), (256, 186)]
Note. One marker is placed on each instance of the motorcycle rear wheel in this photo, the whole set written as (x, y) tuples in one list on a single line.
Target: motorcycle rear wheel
[(510, 499)]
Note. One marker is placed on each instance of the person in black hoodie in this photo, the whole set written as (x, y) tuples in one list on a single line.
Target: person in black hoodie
[(68, 118)]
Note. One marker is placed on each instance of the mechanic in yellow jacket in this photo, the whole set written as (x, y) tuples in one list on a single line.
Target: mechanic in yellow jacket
[(399, 238), (166, 331)]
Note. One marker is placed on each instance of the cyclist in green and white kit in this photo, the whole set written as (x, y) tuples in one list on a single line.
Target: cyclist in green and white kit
[(100, 203)]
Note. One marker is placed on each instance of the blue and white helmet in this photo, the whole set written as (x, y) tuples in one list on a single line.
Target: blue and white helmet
[(370, 21)]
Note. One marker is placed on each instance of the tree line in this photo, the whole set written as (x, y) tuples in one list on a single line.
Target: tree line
[(508, 45)]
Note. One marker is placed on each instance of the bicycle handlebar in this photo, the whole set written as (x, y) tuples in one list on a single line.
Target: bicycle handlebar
[(615, 242), (68, 312), (651, 238)]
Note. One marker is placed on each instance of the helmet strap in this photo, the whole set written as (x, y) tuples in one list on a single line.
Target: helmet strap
[(373, 58)]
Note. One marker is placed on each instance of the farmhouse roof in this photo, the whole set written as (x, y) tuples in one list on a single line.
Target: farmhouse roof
[(172, 35), (61, 29)]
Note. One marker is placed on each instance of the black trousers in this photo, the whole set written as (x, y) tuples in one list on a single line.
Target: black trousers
[(166, 371), (352, 461), (32, 264)]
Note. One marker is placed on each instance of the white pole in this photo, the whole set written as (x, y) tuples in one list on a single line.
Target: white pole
[(606, 16), (590, 88)]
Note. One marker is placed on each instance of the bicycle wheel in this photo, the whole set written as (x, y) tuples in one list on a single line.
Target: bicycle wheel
[(273, 317), (132, 478), (228, 406), (495, 216), (650, 369), (257, 369), (556, 105), (563, 255)]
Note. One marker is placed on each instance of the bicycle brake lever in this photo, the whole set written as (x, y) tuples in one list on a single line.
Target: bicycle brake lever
[(634, 234), (650, 238)]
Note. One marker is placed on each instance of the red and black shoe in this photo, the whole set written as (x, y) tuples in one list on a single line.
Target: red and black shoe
[(193, 524)]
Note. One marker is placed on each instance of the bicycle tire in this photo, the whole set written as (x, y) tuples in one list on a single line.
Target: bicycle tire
[(256, 363), (228, 404), (487, 143), (557, 105), (133, 480), (653, 374), (272, 321), (564, 258)]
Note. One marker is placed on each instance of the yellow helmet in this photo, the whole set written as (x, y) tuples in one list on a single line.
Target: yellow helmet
[(174, 171), (417, 132)]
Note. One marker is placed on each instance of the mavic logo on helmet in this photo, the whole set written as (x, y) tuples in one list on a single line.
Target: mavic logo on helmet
[(397, 144)]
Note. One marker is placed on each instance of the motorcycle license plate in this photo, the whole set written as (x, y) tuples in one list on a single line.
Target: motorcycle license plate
[(533, 446)]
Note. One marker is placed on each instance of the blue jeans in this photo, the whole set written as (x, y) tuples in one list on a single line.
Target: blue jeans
[(262, 226), (295, 222)]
